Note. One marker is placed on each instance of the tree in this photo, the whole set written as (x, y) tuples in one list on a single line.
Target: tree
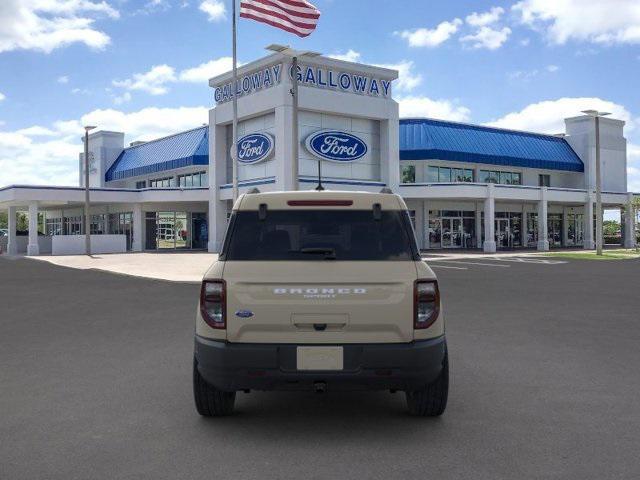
[(3, 220), (610, 228)]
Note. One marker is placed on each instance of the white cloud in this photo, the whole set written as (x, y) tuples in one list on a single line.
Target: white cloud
[(548, 116), (120, 99), (407, 78), (203, 72), (349, 56), (424, 37), (157, 80), (595, 21), (45, 25), (2, 96), (63, 79), (420, 106), (486, 18), (214, 9), (49, 155), (153, 6), (527, 75), (154, 81), (525, 42), (487, 37)]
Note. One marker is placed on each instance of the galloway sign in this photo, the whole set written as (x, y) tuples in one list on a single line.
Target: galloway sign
[(309, 76), (331, 79), (248, 84), (336, 146), (255, 147)]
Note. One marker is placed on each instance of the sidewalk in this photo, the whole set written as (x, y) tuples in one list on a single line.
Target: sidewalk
[(174, 267), (191, 266)]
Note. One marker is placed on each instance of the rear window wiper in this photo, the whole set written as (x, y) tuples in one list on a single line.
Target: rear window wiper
[(329, 253)]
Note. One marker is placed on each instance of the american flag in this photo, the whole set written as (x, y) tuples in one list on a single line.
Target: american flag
[(294, 16)]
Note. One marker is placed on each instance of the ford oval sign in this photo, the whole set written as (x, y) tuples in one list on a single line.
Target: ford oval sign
[(255, 148), (336, 146)]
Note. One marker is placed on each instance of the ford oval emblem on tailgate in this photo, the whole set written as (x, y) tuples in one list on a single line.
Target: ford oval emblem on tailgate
[(244, 313)]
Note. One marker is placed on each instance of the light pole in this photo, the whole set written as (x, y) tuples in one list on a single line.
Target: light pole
[(295, 145), (596, 114), (87, 217)]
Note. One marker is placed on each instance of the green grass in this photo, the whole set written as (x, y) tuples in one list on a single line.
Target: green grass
[(618, 254)]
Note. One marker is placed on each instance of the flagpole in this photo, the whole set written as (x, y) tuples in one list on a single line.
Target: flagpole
[(294, 126), (234, 141)]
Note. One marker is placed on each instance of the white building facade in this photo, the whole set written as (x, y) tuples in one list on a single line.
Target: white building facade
[(466, 186)]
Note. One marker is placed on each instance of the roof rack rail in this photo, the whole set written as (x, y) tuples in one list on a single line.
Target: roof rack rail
[(386, 190), (253, 191)]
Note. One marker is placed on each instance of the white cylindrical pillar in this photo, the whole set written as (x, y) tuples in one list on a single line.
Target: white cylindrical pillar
[(489, 245), (33, 247), (543, 238), (589, 242), (12, 245), (138, 219), (629, 224)]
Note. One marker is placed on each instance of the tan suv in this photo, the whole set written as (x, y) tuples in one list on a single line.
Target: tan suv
[(320, 291)]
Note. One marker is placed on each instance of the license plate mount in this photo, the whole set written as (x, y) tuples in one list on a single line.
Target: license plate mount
[(320, 358)]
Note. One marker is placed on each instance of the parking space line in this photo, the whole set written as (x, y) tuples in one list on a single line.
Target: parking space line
[(540, 261), (472, 263), (446, 266)]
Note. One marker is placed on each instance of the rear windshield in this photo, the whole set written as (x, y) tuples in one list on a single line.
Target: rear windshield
[(320, 235)]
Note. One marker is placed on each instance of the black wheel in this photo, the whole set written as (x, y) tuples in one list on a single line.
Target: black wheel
[(211, 402), (432, 401)]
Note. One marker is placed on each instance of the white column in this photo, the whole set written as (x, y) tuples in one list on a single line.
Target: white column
[(107, 229), (543, 240), (589, 242), (489, 245), (12, 246), (425, 225), (478, 226), (217, 176), (629, 224), (283, 154), (32, 246), (390, 150), (138, 219), (565, 227)]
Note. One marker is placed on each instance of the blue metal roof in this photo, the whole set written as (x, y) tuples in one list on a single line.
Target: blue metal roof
[(176, 151), (427, 139)]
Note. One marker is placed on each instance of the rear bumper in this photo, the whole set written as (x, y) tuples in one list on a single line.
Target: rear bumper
[(252, 366)]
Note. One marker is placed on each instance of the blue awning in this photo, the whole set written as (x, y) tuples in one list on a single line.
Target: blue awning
[(427, 139), (183, 149)]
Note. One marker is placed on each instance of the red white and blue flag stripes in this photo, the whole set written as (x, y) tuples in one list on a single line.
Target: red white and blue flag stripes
[(295, 16)]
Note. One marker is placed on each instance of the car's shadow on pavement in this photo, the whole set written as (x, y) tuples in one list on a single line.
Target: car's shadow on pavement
[(326, 415)]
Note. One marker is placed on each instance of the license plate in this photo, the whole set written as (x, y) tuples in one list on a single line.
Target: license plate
[(320, 358)]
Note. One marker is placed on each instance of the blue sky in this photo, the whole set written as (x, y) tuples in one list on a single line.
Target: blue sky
[(141, 66)]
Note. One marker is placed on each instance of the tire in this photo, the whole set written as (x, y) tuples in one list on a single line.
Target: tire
[(211, 402), (432, 401)]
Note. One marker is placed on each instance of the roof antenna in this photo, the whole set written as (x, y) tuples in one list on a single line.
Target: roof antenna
[(319, 188)]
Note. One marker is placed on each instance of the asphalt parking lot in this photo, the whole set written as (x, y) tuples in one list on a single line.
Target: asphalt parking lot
[(95, 382)]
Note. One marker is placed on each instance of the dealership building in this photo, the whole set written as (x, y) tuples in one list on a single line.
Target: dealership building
[(466, 186)]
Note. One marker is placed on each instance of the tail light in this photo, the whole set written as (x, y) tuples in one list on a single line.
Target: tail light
[(213, 303), (426, 303)]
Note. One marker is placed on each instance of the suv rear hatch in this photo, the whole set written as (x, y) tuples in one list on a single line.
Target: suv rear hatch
[(329, 275)]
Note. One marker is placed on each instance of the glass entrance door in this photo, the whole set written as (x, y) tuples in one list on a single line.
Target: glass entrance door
[(504, 237), (166, 230), (451, 232)]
